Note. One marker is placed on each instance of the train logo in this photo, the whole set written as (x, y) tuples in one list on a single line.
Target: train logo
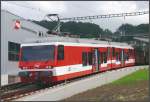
[(17, 24)]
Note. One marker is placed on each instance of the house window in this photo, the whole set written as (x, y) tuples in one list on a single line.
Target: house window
[(60, 54), (41, 34), (13, 51), (84, 58)]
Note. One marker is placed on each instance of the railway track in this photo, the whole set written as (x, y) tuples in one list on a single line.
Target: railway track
[(18, 90), (9, 93), (12, 86)]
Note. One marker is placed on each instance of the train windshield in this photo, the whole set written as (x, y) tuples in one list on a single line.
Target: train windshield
[(38, 53)]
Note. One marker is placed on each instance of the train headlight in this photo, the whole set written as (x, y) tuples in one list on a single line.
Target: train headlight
[(24, 67), (49, 67)]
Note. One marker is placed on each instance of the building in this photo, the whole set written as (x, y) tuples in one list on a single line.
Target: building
[(14, 30), (141, 45)]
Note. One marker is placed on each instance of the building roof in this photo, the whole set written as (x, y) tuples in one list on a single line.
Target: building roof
[(142, 39), (21, 18)]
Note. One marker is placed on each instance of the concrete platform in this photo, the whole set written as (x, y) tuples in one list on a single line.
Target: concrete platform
[(4, 79), (9, 79), (62, 92)]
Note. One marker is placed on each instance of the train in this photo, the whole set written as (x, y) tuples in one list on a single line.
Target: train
[(56, 61)]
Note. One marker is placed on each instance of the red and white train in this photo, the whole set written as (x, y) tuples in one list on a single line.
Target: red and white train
[(56, 61)]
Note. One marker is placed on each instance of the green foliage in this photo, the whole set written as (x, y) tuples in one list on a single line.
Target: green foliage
[(90, 30), (142, 28), (85, 30), (134, 77), (82, 29), (129, 29)]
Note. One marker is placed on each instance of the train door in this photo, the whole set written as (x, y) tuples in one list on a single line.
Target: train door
[(122, 58), (109, 58), (96, 59)]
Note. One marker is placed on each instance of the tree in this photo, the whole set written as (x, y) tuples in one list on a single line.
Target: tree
[(126, 29), (88, 30)]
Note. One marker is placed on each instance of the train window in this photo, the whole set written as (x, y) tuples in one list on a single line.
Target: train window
[(101, 57), (126, 57), (13, 51), (84, 58), (117, 56), (60, 54), (105, 57), (120, 56), (130, 52), (108, 51), (90, 58), (113, 51)]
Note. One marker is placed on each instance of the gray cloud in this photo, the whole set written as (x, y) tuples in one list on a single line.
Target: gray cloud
[(38, 9)]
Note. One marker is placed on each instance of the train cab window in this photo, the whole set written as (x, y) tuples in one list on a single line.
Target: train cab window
[(90, 58), (60, 54), (84, 58)]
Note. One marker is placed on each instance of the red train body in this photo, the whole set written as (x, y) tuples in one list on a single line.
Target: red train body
[(58, 61)]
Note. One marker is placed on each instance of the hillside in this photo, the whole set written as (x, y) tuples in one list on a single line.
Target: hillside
[(90, 30)]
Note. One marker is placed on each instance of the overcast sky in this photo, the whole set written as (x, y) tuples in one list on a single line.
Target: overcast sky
[(38, 9)]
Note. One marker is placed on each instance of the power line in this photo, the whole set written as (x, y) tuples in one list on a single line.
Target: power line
[(89, 17), (107, 16)]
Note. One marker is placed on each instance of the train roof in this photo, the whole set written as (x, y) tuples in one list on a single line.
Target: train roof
[(67, 41)]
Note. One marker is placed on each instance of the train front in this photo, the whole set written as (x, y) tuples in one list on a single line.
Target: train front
[(36, 62)]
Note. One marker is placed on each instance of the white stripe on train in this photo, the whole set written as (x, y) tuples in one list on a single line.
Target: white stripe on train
[(76, 68)]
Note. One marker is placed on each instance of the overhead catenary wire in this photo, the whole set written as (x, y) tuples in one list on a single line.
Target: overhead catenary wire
[(88, 17), (107, 16)]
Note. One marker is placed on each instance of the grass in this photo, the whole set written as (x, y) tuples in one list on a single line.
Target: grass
[(139, 75)]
